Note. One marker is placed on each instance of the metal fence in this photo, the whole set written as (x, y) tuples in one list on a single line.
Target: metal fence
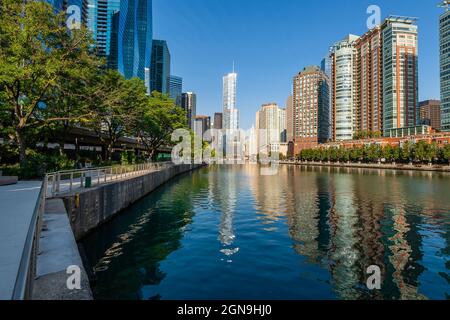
[(27, 268), (61, 182)]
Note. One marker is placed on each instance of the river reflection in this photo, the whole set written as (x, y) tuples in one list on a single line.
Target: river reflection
[(227, 232)]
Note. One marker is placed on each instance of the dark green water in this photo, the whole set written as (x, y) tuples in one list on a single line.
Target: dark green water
[(227, 232)]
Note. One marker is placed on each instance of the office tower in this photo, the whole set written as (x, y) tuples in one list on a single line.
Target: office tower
[(189, 105), (289, 119), (218, 120), (369, 82), (430, 113), (176, 89), (400, 73), (311, 107), (100, 21), (272, 119), (135, 39), (160, 67), (444, 50), (112, 58), (202, 124), (344, 100), (230, 112)]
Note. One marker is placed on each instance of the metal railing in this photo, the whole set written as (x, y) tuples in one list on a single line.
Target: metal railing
[(27, 268), (70, 180)]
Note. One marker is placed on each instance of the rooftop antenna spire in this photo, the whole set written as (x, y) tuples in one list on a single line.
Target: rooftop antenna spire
[(233, 66)]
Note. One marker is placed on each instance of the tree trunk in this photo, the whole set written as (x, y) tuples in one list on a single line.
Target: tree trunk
[(21, 142)]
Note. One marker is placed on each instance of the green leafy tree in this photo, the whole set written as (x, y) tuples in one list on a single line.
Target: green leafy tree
[(156, 125), (36, 52), (405, 153), (446, 153), (117, 105)]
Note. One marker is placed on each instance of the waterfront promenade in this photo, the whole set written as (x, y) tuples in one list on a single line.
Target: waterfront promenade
[(385, 166), (17, 204)]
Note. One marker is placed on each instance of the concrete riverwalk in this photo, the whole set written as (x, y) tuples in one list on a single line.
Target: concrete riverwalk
[(40, 224), (17, 204)]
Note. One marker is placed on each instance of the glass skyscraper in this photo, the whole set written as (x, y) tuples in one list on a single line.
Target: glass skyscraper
[(176, 89), (160, 67), (444, 39), (135, 39)]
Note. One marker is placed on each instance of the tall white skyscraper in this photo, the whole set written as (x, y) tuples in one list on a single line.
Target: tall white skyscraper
[(230, 112), (344, 88)]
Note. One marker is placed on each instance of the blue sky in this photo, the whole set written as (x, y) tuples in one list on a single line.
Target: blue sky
[(271, 41)]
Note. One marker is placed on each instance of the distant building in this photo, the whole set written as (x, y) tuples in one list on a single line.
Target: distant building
[(400, 73), (326, 65), (176, 89), (310, 108), (189, 105), (344, 102), (160, 67), (270, 126), (230, 111), (202, 124), (444, 48), (218, 120), (289, 119), (135, 39), (430, 113)]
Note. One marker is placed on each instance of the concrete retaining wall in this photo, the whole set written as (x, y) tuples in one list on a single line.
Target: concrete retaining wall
[(89, 209)]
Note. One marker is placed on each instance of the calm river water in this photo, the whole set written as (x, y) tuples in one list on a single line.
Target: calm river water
[(226, 232)]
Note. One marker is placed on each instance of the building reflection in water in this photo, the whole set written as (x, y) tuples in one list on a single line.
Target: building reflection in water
[(223, 190), (346, 222)]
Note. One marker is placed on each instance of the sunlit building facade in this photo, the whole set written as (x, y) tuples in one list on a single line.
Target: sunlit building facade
[(311, 116), (344, 103), (400, 73), (369, 82), (230, 111), (189, 105), (271, 126)]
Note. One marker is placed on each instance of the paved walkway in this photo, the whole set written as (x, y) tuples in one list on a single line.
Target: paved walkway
[(17, 203)]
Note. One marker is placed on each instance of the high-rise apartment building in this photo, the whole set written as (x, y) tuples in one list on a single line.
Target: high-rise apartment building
[(369, 82), (218, 120), (271, 126), (311, 114), (230, 111), (444, 50), (400, 73), (189, 105), (344, 102), (176, 89), (160, 67), (135, 39), (430, 113)]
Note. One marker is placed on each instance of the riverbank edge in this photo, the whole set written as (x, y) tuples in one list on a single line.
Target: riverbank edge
[(59, 241), (423, 168)]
